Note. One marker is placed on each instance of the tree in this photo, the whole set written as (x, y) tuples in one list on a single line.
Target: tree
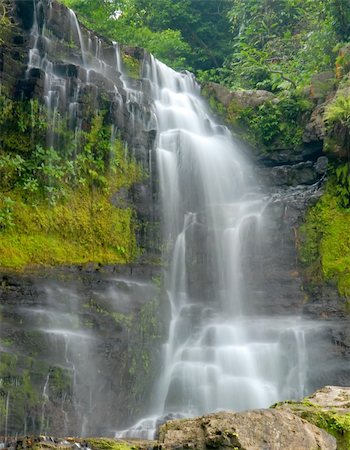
[(340, 12), (185, 34), (292, 38), (203, 24)]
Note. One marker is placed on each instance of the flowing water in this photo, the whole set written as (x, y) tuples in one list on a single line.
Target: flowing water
[(219, 354)]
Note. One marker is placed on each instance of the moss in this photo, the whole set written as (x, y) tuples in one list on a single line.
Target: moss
[(118, 317), (93, 443), (132, 66), (325, 243), (57, 208), (57, 203), (22, 380), (5, 22), (85, 228), (109, 444)]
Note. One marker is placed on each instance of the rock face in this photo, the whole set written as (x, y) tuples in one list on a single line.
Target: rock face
[(251, 430), (77, 348)]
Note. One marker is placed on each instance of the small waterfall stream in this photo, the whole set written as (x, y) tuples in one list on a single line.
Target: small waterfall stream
[(219, 354)]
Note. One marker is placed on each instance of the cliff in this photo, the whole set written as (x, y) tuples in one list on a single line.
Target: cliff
[(79, 342)]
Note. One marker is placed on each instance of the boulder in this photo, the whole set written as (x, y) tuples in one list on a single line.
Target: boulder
[(242, 98), (327, 408), (249, 430), (302, 173), (321, 84), (315, 129)]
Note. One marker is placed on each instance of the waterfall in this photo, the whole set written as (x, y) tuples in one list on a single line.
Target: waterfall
[(220, 353)]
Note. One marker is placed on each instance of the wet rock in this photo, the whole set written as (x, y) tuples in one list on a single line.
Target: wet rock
[(290, 175), (108, 308), (321, 164), (250, 430), (280, 157)]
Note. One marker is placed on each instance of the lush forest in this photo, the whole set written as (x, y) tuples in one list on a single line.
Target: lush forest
[(270, 44)]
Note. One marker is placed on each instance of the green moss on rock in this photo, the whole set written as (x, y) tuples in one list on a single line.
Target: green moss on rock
[(62, 205), (110, 444), (335, 423), (325, 243), (132, 66)]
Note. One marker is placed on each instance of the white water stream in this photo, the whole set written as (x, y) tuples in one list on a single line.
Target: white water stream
[(219, 355)]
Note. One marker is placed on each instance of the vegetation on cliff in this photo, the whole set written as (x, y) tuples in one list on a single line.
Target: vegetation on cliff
[(185, 34), (56, 205)]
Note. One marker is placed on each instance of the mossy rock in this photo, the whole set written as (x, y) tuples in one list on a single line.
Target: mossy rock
[(324, 242), (132, 66), (43, 443), (329, 409), (110, 444)]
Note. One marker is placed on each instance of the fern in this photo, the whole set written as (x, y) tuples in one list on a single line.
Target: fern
[(338, 111)]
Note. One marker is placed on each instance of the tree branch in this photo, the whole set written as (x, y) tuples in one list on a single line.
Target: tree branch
[(284, 77)]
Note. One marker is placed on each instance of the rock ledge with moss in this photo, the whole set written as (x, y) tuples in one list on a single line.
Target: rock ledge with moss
[(320, 421)]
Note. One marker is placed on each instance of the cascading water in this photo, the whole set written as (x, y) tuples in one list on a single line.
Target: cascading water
[(219, 354)]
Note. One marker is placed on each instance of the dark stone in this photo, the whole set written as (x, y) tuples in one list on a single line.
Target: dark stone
[(321, 164), (280, 157), (290, 175), (314, 131), (18, 40), (25, 11), (66, 70)]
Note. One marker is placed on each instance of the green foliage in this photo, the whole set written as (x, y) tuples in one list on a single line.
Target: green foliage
[(202, 24), (5, 22), (132, 65), (339, 111), (185, 34), (6, 211), (342, 186), (340, 13), (275, 120), (284, 39), (131, 28)]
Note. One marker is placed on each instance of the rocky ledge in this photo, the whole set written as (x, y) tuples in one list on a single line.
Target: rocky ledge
[(320, 421)]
